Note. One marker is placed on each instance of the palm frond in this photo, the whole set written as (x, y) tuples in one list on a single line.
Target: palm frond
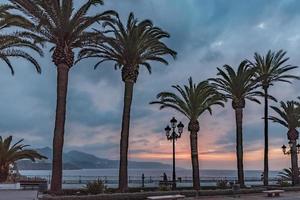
[(237, 85), (10, 153), (192, 99)]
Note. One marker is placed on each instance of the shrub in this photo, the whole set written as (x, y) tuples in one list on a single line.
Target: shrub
[(95, 187), (164, 187), (222, 183), (283, 183)]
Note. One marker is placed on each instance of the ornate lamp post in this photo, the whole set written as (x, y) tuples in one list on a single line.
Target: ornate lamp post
[(294, 150), (173, 136)]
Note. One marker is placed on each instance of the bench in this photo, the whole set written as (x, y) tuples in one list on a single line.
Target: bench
[(166, 183), (171, 197), (273, 193), (39, 185)]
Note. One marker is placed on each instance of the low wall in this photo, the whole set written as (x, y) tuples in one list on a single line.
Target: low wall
[(10, 186), (144, 195)]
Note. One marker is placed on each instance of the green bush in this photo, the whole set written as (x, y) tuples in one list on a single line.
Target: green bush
[(95, 187), (164, 187), (222, 183), (283, 183)]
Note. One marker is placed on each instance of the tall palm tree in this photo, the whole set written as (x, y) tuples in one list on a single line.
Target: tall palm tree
[(289, 117), (193, 100), (239, 87), (271, 69), (65, 28), (130, 47), (10, 153)]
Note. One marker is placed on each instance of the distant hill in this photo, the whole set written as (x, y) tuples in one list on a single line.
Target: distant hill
[(79, 160)]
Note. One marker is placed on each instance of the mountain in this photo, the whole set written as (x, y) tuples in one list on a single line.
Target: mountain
[(79, 160)]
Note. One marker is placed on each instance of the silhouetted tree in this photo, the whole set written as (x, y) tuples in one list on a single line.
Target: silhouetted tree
[(58, 23), (270, 69), (289, 117), (238, 86), (193, 100), (130, 47)]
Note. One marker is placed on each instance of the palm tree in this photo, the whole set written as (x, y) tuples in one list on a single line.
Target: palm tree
[(239, 87), (9, 154), (57, 23), (193, 100), (289, 117), (270, 69), (129, 47)]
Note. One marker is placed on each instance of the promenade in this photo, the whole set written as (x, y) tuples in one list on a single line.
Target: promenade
[(32, 195), (18, 195), (260, 196)]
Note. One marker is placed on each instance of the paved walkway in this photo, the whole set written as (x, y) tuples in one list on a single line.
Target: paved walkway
[(284, 196), (32, 195), (18, 195)]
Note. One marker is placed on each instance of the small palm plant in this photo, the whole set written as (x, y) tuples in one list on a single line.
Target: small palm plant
[(284, 177), (286, 174), (193, 100), (289, 117), (130, 47), (238, 86), (9, 154), (58, 23), (270, 69)]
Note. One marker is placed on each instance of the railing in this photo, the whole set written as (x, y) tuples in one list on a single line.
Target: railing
[(151, 181)]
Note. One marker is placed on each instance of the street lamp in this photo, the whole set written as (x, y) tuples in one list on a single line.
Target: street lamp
[(288, 152), (173, 136), (293, 149)]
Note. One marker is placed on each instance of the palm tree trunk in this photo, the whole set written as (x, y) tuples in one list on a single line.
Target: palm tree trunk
[(4, 171), (266, 134), (294, 162), (194, 128), (239, 145), (58, 140), (123, 170)]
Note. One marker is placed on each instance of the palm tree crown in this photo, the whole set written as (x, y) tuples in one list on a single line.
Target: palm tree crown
[(193, 99), (57, 23), (288, 114), (130, 46), (237, 86), (272, 68)]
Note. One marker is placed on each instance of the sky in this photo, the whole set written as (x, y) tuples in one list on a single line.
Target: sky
[(206, 34)]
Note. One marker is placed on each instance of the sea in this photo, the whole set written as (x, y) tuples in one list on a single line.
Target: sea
[(149, 177)]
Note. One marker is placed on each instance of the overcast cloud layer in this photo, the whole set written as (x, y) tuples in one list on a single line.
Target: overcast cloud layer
[(206, 34)]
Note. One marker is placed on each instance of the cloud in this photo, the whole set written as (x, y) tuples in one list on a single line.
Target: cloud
[(206, 35), (261, 25), (105, 97)]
